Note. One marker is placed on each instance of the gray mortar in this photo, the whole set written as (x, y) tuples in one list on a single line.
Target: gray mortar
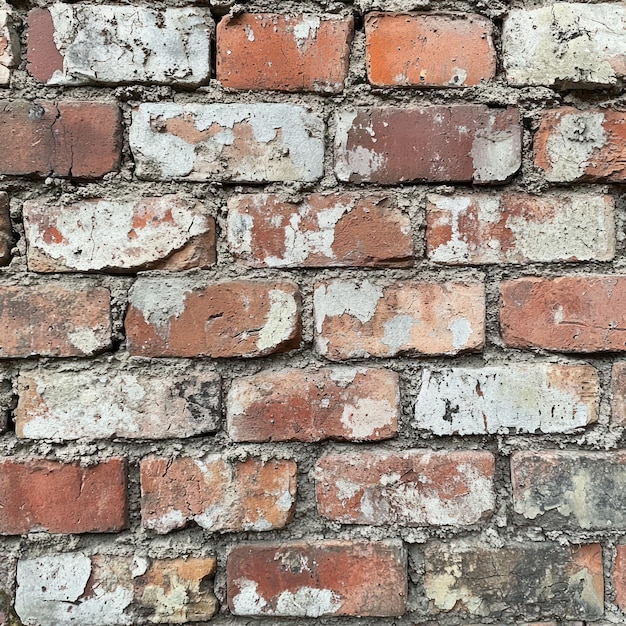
[(193, 540)]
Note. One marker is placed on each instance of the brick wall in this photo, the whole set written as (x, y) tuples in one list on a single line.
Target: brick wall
[(313, 311)]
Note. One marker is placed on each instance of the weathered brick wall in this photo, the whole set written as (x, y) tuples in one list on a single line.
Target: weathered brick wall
[(313, 311)]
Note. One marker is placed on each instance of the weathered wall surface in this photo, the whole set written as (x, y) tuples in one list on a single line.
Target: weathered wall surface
[(312, 312)]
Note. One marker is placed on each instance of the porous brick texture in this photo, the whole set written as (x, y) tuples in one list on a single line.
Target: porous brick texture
[(313, 312)]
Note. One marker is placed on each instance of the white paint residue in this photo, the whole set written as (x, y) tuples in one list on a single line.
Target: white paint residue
[(459, 75), (285, 502), (571, 144), (366, 417), (461, 330), (168, 522), (344, 376), (160, 299), (247, 601), (86, 340), (340, 297), (305, 31), (397, 333), (240, 227), (496, 154), (280, 321), (307, 602), (346, 489), (249, 33), (123, 44)]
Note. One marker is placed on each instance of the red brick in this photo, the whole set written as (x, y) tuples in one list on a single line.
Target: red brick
[(364, 320), (272, 51), (217, 495), (71, 139), (170, 232), (421, 50), (240, 318), (62, 498), (312, 579), (570, 489), (54, 320), (589, 145), (44, 58), (411, 488), (325, 230), (519, 228), (355, 404), (461, 143), (619, 577), (568, 314)]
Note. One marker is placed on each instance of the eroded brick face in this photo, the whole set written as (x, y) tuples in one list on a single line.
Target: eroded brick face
[(282, 52), (364, 320), (325, 230), (413, 488), (240, 318), (41, 495), (296, 579), (351, 403), (216, 494), (421, 50), (568, 313)]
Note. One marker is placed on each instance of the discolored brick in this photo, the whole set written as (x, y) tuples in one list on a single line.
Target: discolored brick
[(287, 53), (69, 139), (570, 488), (618, 393), (324, 230), (361, 320), (171, 232), (519, 228), (514, 580), (460, 143), (77, 588), (298, 579), (54, 320), (178, 317), (355, 404), (411, 488), (568, 313), (105, 401), (9, 44), (216, 494), (422, 50), (41, 495)]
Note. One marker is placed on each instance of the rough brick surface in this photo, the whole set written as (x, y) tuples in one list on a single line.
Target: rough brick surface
[(571, 45), (297, 579), (239, 318), (54, 320), (537, 397), (570, 489), (253, 143), (618, 393), (6, 232), (40, 495), (355, 404), (271, 51), (412, 488), (568, 314), (110, 401), (519, 228), (324, 230), (75, 588), (575, 145), (361, 320), (421, 50), (89, 44), (9, 45), (619, 577), (462, 143), (217, 495), (170, 232), (516, 579), (70, 139)]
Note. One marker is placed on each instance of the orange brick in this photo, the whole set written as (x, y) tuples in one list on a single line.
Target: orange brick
[(422, 50), (271, 51), (567, 314), (312, 579), (217, 495), (62, 498)]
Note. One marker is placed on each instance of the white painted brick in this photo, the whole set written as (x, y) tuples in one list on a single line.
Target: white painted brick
[(543, 397)]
